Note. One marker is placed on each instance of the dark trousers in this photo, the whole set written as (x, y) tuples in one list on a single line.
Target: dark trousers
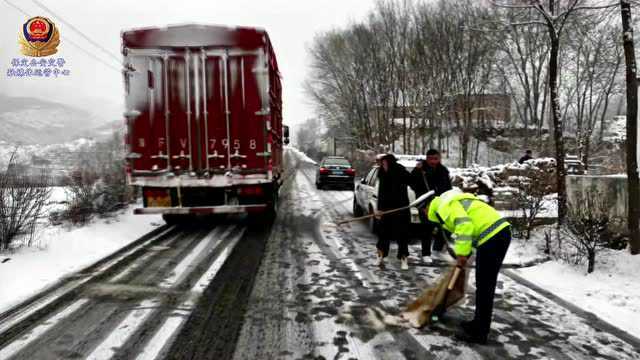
[(430, 231), (489, 257), (393, 228)]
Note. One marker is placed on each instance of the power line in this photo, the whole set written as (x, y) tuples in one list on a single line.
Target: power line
[(94, 43), (69, 41)]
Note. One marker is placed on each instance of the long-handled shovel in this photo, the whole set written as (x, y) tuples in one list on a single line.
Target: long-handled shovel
[(419, 202)]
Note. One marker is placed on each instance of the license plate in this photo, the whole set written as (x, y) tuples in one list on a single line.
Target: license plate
[(159, 201), (337, 172)]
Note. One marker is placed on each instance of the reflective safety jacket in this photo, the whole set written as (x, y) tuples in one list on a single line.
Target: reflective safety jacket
[(471, 221)]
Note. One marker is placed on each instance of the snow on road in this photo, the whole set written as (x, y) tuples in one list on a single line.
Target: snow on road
[(318, 294), (145, 311), (16, 346), (63, 251)]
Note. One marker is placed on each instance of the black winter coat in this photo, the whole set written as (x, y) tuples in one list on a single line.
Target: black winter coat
[(392, 194), (428, 178), (392, 187)]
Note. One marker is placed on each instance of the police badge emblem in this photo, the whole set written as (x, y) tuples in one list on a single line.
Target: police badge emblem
[(39, 37)]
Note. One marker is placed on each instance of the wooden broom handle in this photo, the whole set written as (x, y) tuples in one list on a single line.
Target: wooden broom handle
[(382, 213), (454, 278)]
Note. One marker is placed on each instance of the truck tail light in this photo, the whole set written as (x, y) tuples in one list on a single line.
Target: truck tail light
[(253, 190), (350, 172), (324, 170)]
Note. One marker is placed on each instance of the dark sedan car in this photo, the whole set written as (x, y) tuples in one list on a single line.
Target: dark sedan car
[(335, 171)]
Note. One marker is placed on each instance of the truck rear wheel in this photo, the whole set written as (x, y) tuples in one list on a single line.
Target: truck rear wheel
[(272, 207), (173, 219), (261, 219)]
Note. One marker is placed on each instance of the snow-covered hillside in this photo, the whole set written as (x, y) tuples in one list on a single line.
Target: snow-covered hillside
[(57, 158), (33, 121)]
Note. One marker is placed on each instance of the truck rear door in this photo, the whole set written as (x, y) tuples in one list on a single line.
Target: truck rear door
[(233, 100), (200, 110)]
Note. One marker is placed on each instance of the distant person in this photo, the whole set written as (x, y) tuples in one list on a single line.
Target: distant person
[(392, 194), (527, 156), (475, 226), (429, 175)]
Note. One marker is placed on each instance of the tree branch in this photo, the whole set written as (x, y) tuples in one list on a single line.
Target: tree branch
[(510, 6), (594, 7)]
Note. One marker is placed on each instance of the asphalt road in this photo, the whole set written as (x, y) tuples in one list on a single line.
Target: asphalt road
[(300, 288), (158, 299), (319, 295)]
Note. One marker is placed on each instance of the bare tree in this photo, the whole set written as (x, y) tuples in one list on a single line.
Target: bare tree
[(530, 197), (402, 72), (586, 230), (633, 181), (23, 197), (308, 137), (98, 183), (553, 16), (592, 61), (524, 53)]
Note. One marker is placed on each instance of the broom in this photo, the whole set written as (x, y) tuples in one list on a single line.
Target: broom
[(432, 303), (418, 203)]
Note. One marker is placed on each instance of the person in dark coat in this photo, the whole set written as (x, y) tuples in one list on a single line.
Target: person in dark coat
[(429, 175), (527, 156), (393, 180)]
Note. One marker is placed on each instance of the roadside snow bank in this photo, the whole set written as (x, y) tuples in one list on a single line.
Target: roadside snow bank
[(611, 292), (62, 251)]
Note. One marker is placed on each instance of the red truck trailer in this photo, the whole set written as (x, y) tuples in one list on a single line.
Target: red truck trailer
[(204, 119)]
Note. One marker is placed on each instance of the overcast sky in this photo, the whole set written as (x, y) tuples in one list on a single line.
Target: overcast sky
[(291, 25)]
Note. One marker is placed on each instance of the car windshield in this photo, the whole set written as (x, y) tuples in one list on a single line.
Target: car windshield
[(339, 162)]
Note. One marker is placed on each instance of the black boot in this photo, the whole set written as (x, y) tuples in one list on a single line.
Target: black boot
[(468, 326), (470, 334)]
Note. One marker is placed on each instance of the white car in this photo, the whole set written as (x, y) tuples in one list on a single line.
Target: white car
[(365, 195)]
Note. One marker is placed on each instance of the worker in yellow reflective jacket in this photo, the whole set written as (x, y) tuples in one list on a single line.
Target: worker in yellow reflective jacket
[(474, 225)]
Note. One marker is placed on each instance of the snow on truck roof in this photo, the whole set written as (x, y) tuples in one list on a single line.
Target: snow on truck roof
[(195, 35)]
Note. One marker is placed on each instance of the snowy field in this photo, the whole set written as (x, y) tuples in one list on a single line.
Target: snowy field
[(61, 250)]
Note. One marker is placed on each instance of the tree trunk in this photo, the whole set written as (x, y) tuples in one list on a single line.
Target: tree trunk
[(557, 125), (591, 261), (633, 181)]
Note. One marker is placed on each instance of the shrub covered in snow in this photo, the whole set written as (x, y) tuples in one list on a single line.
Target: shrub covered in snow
[(98, 183), (23, 198), (530, 198), (501, 183), (586, 230)]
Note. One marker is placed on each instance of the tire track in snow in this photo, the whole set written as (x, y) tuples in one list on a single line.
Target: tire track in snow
[(119, 331), (161, 340), (15, 347), (21, 314)]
